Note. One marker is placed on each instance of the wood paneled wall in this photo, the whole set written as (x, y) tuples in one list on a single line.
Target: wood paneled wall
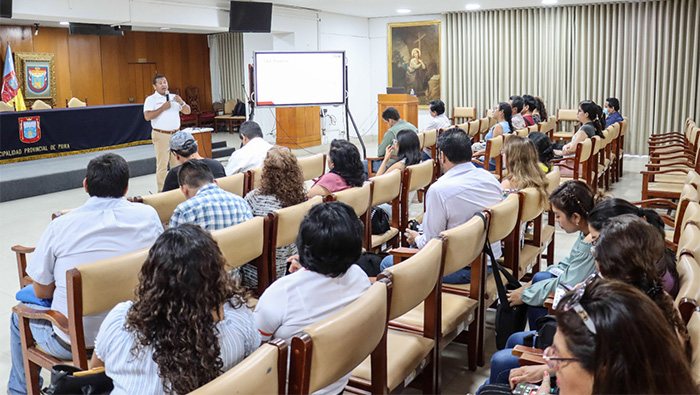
[(113, 69)]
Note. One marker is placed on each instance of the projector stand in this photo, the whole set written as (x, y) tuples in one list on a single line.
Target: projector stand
[(349, 114)]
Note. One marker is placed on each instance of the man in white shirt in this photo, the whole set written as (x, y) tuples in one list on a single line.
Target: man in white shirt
[(252, 154), (106, 226), (462, 191), (163, 109), (440, 120)]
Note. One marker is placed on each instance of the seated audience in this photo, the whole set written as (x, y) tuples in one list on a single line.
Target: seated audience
[(346, 170), (528, 109), (106, 226), (252, 154), (281, 185), (609, 339), (440, 120), (407, 149), (207, 205), (184, 147), (462, 191), (522, 163), (545, 150), (502, 115), (612, 111), (396, 124), (590, 116), (329, 243), (539, 114), (517, 103), (189, 324)]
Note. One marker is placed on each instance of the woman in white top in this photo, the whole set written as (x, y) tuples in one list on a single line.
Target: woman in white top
[(324, 279), (188, 325)]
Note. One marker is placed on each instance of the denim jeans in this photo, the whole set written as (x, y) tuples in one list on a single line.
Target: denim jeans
[(375, 166), (503, 361), (461, 276), (43, 334), (535, 312)]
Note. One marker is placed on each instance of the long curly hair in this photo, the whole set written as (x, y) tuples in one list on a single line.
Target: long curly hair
[(345, 158), (523, 167), (182, 287), (282, 177)]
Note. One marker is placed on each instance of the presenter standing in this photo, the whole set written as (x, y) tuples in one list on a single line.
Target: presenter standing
[(163, 109)]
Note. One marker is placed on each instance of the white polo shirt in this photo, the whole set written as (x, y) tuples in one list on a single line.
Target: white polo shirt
[(168, 119), (248, 157)]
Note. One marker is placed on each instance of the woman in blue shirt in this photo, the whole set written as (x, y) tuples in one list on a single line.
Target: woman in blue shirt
[(502, 114)]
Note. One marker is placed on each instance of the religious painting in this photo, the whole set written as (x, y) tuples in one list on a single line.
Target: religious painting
[(414, 58), (36, 73)]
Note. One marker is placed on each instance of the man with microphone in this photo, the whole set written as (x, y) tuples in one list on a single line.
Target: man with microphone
[(163, 110)]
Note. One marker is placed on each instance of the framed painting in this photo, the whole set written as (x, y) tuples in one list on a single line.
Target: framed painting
[(414, 58), (36, 73)]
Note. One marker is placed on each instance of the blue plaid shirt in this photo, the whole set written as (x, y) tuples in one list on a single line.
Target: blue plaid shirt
[(212, 208)]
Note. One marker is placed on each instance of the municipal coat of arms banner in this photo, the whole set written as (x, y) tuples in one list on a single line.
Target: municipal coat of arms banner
[(36, 73)]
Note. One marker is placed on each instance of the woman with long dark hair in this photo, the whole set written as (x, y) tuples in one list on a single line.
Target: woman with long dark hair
[(346, 171), (408, 153), (590, 115), (189, 323), (502, 114), (545, 150)]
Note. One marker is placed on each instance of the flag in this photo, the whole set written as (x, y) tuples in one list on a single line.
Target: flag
[(11, 94)]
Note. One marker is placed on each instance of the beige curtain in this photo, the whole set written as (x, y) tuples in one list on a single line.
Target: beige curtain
[(647, 54), (227, 66)]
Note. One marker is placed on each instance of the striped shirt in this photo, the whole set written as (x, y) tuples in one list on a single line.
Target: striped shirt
[(211, 208), (238, 338)]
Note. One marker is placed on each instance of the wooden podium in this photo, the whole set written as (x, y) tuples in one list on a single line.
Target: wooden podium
[(298, 127), (406, 104)]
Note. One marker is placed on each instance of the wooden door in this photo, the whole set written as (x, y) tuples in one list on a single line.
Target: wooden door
[(141, 81)]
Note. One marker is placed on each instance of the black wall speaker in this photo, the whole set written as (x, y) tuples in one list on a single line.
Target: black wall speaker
[(6, 8), (97, 30), (250, 17)]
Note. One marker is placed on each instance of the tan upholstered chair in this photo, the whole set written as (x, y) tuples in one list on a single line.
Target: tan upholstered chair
[(387, 189), (75, 102), (430, 142), (254, 176), (668, 190), (548, 126), (356, 332), (415, 177), (261, 373), (689, 292), (688, 194), (40, 105), (582, 163), (313, 166), (546, 232), (531, 209), (229, 106), (473, 129), (421, 139), (503, 226), (493, 151), (689, 242), (463, 112), (415, 281), (164, 203), (360, 199), (91, 289), (6, 107), (234, 183), (564, 116)]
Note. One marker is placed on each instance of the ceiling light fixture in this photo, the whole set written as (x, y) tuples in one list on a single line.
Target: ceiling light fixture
[(549, 2), (403, 11), (473, 6), (64, 23), (164, 28)]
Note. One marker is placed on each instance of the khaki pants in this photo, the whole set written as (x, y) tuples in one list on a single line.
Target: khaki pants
[(161, 142)]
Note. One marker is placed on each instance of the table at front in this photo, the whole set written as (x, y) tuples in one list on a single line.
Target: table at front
[(229, 120), (36, 134)]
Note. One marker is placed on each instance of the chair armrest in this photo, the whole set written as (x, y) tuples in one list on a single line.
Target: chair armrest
[(685, 164), (671, 145), (519, 350), (668, 220), (401, 253), (22, 249), (656, 157), (478, 162), (370, 161), (54, 316), (648, 202), (667, 171)]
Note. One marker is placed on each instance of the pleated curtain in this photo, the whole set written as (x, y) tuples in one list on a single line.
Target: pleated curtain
[(227, 66), (647, 54)]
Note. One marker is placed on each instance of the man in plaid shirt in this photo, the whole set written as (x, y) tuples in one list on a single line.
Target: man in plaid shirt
[(207, 205)]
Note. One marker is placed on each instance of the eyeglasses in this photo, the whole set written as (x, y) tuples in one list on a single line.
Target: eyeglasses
[(553, 360), (574, 303)]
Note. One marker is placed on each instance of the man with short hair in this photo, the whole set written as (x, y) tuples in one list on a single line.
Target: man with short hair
[(106, 226), (184, 147), (163, 109), (252, 154), (392, 118), (517, 119), (612, 111), (207, 205), (462, 191), (440, 120), (530, 104)]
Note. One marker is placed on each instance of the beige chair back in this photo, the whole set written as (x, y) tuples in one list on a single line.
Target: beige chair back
[(164, 203), (312, 166), (40, 105), (254, 177), (692, 214), (262, 372), (234, 184), (531, 206), (484, 124), (75, 102), (5, 107), (489, 113), (359, 198), (553, 179), (522, 132), (352, 333), (229, 106), (421, 139), (586, 150), (693, 178), (430, 138), (387, 187), (694, 332), (689, 193), (472, 127), (289, 219), (463, 112), (689, 242), (242, 242), (548, 126), (566, 115), (494, 147), (504, 217), (421, 175), (415, 278), (464, 244)]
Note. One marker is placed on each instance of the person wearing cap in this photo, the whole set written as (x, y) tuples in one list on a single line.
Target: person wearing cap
[(163, 109), (184, 147), (253, 152)]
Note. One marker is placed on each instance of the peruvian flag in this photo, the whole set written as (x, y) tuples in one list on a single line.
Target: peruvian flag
[(11, 94)]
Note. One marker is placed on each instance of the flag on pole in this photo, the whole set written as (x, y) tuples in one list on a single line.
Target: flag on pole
[(11, 94)]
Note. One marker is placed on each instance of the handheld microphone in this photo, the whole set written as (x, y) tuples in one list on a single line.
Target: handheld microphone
[(167, 95)]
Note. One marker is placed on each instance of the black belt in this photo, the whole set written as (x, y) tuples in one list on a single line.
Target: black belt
[(62, 343)]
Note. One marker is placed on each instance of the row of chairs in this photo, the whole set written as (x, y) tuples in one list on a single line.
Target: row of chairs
[(42, 105)]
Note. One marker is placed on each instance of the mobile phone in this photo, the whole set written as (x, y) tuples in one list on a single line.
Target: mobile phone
[(525, 389)]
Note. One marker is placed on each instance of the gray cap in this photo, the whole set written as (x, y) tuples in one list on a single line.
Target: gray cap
[(182, 141)]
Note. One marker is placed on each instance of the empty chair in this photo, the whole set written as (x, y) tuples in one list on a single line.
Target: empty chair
[(6, 107), (463, 112), (75, 102), (564, 116), (40, 105)]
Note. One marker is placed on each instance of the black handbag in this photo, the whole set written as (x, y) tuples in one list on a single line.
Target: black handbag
[(509, 319), (380, 221), (63, 381)]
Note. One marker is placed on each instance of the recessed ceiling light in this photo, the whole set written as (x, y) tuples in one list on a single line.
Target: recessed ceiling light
[(164, 28), (64, 23), (549, 2), (473, 6), (403, 11)]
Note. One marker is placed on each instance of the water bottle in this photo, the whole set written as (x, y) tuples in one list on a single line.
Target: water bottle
[(412, 93)]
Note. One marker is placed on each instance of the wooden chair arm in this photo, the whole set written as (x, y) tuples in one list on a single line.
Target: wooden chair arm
[(528, 355), (660, 166), (671, 145), (657, 172), (655, 157), (477, 162), (402, 253), (668, 220), (562, 159), (370, 162), (519, 350), (648, 202), (529, 360), (54, 316), (22, 249)]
